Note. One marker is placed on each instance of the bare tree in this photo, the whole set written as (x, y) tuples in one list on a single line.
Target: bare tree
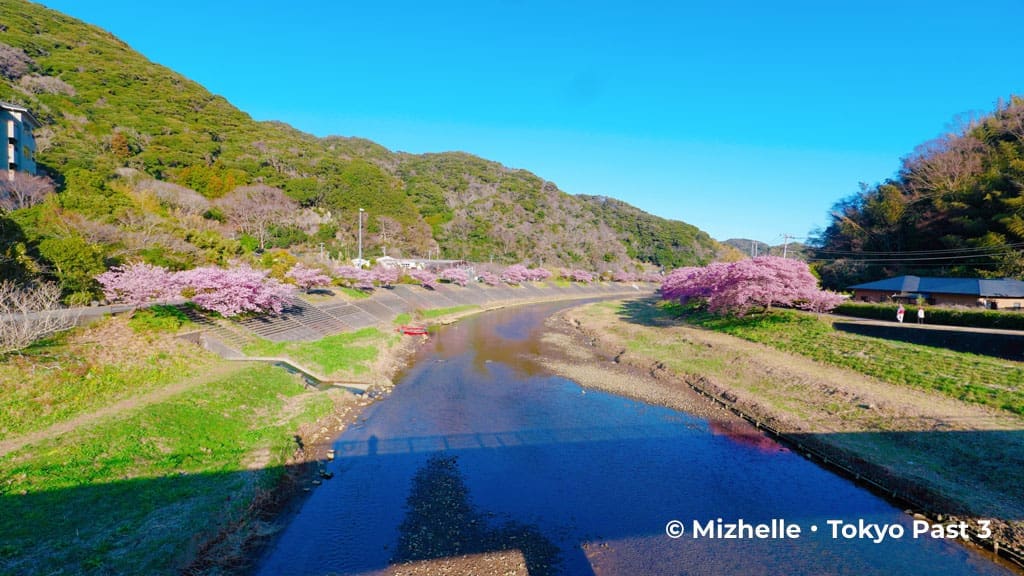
[(23, 190), (14, 63), (390, 229), (944, 165), (185, 200), (28, 313), (255, 209), (46, 85), (1012, 118), (145, 227)]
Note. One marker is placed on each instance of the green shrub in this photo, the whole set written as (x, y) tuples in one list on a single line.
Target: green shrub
[(1004, 320)]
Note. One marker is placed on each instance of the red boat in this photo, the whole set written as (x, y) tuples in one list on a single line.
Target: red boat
[(412, 330)]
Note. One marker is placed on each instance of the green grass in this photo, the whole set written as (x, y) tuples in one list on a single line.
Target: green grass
[(129, 494), (403, 318), (76, 372), (158, 318), (352, 292), (438, 312), (968, 377), (351, 352)]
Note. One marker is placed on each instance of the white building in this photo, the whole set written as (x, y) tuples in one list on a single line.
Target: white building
[(420, 263), (20, 152)]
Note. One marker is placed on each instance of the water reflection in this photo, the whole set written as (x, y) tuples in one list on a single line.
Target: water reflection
[(741, 433), (594, 475), (511, 343)]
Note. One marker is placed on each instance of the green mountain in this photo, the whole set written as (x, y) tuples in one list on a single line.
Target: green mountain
[(956, 208), (749, 247), (141, 155)]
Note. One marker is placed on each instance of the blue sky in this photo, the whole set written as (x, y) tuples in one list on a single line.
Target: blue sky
[(747, 119)]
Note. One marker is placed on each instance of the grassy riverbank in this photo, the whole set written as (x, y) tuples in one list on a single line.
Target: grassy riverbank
[(351, 354), (968, 377), (82, 370), (922, 440), (174, 460), (136, 492)]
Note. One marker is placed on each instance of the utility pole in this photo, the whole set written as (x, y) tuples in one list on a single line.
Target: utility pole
[(785, 244), (361, 237)]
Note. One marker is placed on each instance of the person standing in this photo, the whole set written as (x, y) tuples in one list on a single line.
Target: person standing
[(899, 314), (920, 314)]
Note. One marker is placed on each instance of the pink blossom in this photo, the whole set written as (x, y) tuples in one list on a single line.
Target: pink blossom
[(518, 273), (515, 274), (455, 276), (738, 287), (307, 278), (354, 277), (139, 283), (235, 291), (385, 276), (622, 276), (490, 279), (426, 278), (579, 276), (537, 274)]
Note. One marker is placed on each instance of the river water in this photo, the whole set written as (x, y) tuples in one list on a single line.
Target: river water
[(478, 448)]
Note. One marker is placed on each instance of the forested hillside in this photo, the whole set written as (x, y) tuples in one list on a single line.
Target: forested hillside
[(955, 208), (148, 165), (748, 247)]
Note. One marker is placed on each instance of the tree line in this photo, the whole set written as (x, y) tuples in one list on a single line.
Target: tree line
[(955, 208)]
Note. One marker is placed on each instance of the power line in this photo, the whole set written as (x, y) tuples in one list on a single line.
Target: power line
[(926, 264), (979, 251)]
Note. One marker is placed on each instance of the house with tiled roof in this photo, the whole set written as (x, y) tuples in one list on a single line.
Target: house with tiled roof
[(989, 293)]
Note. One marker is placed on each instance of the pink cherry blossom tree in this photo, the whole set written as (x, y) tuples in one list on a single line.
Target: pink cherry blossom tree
[(537, 274), (490, 279), (623, 276), (579, 276), (515, 274), (139, 283), (355, 277), (455, 276), (426, 278), (307, 278), (822, 301), (739, 287), (385, 277), (235, 291)]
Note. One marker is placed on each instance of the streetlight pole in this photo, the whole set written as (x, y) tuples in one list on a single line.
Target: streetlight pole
[(361, 237)]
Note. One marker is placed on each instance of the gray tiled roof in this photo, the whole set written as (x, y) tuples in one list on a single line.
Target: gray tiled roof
[(1003, 287)]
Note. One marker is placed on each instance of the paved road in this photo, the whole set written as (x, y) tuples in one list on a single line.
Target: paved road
[(912, 325)]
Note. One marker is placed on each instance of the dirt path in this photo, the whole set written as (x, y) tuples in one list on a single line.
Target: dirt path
[(218, 371), (960, 459)]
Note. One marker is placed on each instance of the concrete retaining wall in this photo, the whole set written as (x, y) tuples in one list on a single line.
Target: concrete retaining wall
[(308, 320)]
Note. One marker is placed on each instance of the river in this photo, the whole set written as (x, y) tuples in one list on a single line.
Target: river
[(479, 448)]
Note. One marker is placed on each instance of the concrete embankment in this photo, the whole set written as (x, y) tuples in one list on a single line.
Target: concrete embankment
[(313, 318)]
